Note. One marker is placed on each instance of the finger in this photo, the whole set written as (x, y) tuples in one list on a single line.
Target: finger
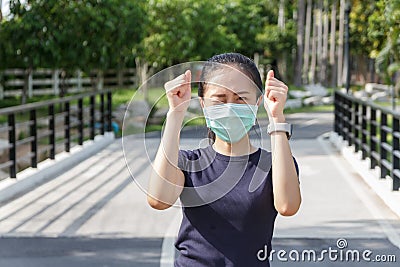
[(276, 88), (173, 84), (275, 81), (270, 74), (180, 77), (276, 96), (188, 76)]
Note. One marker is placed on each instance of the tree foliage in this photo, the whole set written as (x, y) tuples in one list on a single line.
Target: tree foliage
[(181, 30), (86, 34), (102, 34), (388, 58)]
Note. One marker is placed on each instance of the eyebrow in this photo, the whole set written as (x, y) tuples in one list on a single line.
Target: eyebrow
[(223, 95), (242, 92)]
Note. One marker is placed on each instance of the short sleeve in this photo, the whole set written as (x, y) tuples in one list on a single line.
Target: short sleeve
[(182, 159), (297, 168)]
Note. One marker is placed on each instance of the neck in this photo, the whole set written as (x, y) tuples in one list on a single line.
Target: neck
[(242, 147)]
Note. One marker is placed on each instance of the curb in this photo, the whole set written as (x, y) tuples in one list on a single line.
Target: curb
[(11, 188), (382, 187)]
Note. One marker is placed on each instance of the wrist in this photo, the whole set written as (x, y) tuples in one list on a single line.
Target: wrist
[(278, 119), (176, 113), (280, 129)]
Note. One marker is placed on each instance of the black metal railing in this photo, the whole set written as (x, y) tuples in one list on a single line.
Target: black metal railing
[(374, 130), (40, 130)]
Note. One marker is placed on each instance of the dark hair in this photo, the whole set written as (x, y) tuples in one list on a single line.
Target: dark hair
[(239, 61)]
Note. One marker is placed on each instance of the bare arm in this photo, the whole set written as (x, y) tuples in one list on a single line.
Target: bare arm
[(286, 189), (166, 179), (287, 197)]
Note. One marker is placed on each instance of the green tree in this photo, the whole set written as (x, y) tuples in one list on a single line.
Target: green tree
[(87, 34), (367, 28), (181, 30), (277, 43), (388, 57), (245, 19)]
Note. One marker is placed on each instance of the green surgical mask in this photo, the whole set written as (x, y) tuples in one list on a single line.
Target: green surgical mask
[(230, 122)]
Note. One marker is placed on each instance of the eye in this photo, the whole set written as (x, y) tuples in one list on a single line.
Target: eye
[(216, 101)]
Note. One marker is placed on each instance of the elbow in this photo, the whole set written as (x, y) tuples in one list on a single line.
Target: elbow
[(157, 204), (288, 209)]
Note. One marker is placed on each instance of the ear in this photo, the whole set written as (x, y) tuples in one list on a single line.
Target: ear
[(201, 102)]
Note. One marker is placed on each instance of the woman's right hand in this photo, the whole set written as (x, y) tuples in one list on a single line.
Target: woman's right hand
[(179, 92)]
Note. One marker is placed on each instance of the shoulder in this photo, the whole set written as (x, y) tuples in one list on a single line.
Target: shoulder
[(188, 158)]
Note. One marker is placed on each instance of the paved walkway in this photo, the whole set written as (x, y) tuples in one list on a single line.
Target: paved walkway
[(94, 215)]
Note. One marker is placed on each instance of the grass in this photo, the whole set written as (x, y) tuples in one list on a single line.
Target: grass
[(389, 104), (322, 108)]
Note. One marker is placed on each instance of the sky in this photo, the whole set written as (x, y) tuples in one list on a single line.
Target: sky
[(5, 7)]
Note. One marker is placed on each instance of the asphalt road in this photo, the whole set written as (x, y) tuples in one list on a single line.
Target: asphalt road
[(110, 213), (145, 252)]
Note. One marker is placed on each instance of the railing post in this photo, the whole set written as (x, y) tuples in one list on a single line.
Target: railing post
[(67, 127), (345, 120), (92, 116), (12, 149), (79, 80), (396, 153), (56, 82), (109, 111), (348, 122), (33, 134), (342, 117), (102, 113), (364, 143), (383, 139), (336, 112), (52, 135), (1, 86), (372, 138), (100, 80), (356, 126), (30, 83), (81, 122)]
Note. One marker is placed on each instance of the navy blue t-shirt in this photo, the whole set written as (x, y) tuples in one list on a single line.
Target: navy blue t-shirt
[(228, 208)]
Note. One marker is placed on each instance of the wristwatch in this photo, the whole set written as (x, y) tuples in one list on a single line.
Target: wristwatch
[(280, 127)]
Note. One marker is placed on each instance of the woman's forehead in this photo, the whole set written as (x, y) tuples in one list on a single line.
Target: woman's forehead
[(230, 80)]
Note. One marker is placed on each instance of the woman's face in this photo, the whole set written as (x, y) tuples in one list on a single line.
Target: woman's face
[(229, 85)]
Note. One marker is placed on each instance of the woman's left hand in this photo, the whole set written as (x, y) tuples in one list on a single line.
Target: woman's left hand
[(275, 97)]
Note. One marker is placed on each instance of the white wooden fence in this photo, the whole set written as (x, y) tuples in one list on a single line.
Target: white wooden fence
[(16, 82)]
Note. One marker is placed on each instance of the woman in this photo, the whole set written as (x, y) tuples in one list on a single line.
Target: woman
[(229, 222)]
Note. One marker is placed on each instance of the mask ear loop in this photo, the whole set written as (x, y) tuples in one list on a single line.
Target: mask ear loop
[(262, 169), (210, 134)]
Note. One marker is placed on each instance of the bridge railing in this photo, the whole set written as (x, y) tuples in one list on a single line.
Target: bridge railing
[(38, 131), (373, 130)]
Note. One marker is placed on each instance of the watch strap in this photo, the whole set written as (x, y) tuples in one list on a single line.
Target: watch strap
[(280, 127)]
